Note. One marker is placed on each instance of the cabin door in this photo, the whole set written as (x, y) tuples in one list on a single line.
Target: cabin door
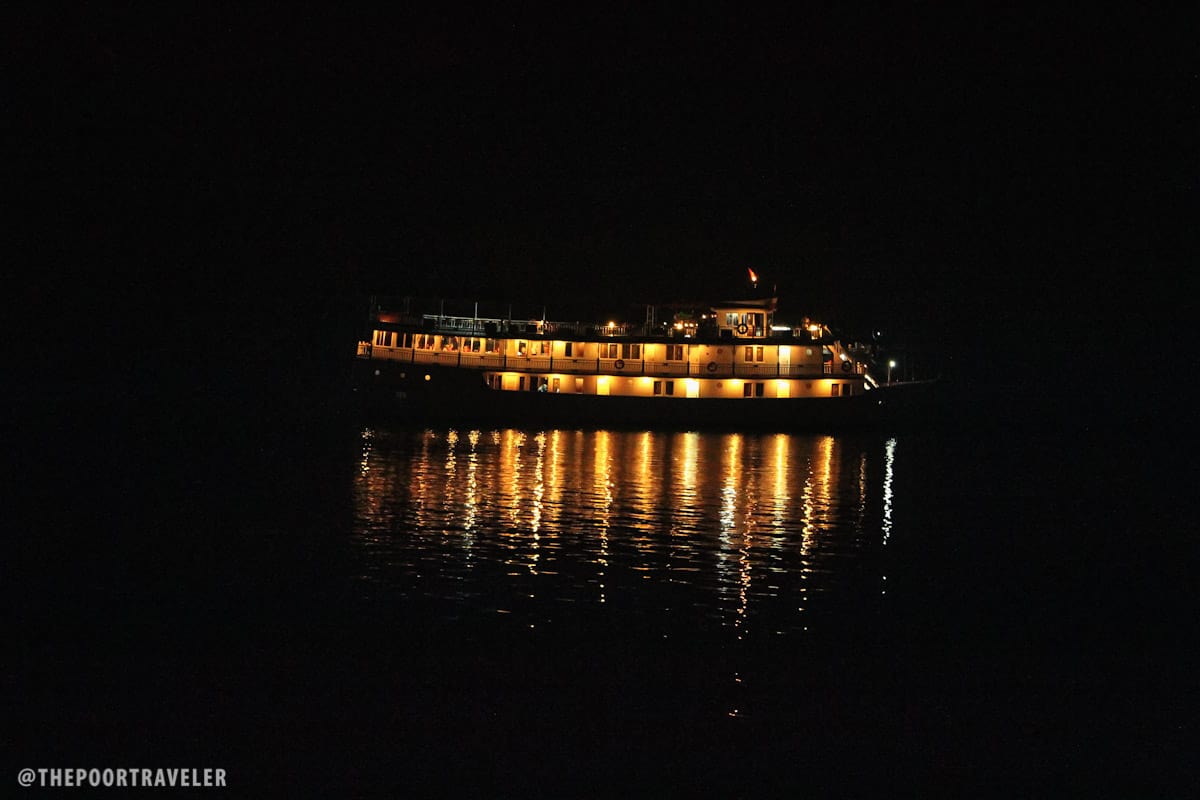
[(785, 360)]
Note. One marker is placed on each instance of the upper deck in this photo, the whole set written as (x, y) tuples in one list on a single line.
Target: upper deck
[(742, 320)]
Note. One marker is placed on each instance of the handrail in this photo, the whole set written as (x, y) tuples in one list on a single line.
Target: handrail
[(605, 366)]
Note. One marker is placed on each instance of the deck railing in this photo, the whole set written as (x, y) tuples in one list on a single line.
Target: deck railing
[(606, 366)]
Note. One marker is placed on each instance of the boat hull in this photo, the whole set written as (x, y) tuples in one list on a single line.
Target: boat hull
[(432, 393)]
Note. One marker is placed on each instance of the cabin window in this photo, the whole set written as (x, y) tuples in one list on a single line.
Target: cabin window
[(847, 390), (732, 319), (758, 390), (632, 351), (674, 352), (556, 385), (658, 387), (521, 383), (567, 348), (540, 348), (833, 390), (745, 390), (754, 353), (669, 386), (609, 350), (522, 348), (492, 345)]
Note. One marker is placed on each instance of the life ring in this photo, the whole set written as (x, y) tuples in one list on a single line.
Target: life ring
[(742, 329), (619, 364), (847, 366), (712, 366)]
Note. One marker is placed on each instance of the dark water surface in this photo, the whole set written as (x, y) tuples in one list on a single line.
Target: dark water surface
[(336, 609)]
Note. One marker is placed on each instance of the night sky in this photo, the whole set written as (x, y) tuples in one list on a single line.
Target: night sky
[(947, 177)]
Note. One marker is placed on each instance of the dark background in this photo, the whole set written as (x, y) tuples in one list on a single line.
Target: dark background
[(206, 199), (976, 180)]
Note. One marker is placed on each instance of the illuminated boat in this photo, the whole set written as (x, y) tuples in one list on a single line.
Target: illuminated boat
[(728, 365)]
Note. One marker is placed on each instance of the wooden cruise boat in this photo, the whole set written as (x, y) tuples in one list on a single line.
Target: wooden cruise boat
[(729, 365)]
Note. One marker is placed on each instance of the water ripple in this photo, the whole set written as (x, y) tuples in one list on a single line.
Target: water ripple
[(726, 528)]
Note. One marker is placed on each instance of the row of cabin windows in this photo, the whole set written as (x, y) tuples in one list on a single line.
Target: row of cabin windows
[(661, 388), (625, 350), (428, 341), (472, 344)]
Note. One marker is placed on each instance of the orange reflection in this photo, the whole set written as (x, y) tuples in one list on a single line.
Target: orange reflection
[(747, 519)]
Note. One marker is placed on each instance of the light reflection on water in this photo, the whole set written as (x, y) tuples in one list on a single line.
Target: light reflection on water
[(674, 530)]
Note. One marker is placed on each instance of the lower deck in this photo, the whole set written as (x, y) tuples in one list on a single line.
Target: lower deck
[(648, 386), (463, 396)]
